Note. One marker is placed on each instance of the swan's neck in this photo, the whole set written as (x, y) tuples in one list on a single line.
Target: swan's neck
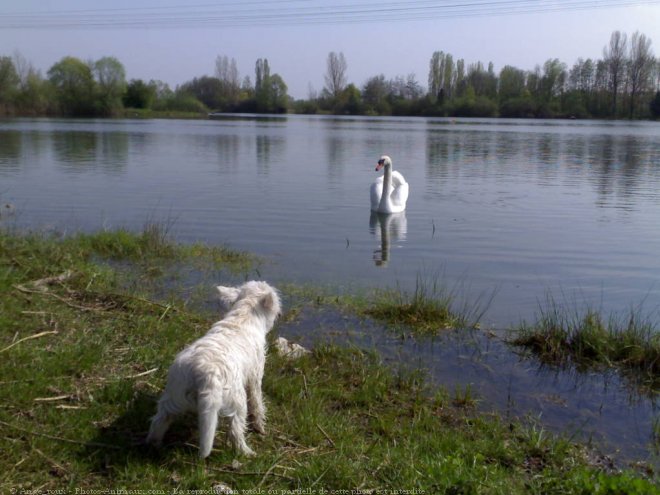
[(385, 196)]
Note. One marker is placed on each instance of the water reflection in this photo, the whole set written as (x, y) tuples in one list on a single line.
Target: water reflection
[(615, 164), (227, 150), (79, 151), (112, 151), (269, 149), (389, 227), (10, 149)]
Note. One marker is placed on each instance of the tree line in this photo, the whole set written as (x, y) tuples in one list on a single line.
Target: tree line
[(624, 83), (73, 87)]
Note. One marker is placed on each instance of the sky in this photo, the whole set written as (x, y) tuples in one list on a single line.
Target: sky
[(176, 40)]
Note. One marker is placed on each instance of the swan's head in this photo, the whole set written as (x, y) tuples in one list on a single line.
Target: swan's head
[(385, 161)]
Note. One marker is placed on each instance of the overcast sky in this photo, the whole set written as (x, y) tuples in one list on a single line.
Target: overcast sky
[(177, 40)]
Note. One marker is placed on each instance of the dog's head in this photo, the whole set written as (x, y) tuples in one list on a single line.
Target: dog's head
[(259, 296)]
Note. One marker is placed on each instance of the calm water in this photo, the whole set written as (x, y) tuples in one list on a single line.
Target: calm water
[(520, 207), (524, 207)]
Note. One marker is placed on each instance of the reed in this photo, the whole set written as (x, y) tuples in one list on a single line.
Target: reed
[(563, 333)]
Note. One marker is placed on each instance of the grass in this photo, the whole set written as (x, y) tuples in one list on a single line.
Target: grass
[(429, 309), (629, 342), (83, 359)]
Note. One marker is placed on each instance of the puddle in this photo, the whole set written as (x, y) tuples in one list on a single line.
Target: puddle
[(600, 409)]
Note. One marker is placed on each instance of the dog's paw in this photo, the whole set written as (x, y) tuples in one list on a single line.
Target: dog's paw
[(248, 452)]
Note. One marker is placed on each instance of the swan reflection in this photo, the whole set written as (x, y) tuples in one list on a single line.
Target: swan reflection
[(390, 228)]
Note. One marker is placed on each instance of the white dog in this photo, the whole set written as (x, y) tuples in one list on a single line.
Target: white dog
[(221, 372)]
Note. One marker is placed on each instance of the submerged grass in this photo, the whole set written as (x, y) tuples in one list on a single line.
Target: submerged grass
[(630, 342), (82, 364)]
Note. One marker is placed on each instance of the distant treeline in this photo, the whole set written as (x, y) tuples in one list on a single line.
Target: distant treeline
[(625, 83)]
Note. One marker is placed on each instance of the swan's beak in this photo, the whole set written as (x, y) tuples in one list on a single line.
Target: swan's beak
[(379, 165)]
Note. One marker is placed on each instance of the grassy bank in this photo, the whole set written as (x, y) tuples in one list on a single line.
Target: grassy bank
[(563, 334), (84, 353)]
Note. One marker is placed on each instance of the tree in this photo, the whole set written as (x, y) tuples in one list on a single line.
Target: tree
[(262, 85), (209, 90), (270, 92), (139, 94), (484, 83), (640, 67), (73, 83), (352, 98), (615, 60), (553, 79), (335, 76), (279, 99), (436, 72), (511, 83), (227, 72), (413, 90), (8, 81), (654, 106), (375, 93), (110, 84), (448, 78)]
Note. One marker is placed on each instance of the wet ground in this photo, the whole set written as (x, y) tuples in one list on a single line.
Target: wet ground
[(603, 409)]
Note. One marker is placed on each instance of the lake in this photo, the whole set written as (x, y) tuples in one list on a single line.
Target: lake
[(512, 207), (523, 208)]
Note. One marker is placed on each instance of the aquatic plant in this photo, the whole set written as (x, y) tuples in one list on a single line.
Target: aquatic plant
[(563, 334), (430, 308)]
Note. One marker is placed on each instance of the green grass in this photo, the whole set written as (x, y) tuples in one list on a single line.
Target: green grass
[(83, 360), (560, 335), (429, 309)]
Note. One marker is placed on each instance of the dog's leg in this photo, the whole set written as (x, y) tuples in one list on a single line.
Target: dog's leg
[(256, 407), (237, 427), (208, 423)]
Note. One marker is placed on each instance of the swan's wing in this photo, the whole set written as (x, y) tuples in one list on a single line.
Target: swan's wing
[(376, 192), (397, 179), (399, 196)]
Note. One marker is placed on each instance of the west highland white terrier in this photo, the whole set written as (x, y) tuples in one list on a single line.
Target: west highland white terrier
[(220, 373)]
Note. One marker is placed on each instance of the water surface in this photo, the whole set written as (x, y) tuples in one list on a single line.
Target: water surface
[(521, 206)]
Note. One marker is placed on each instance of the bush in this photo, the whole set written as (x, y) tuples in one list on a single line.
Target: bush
[(181, 102), (473, 107)]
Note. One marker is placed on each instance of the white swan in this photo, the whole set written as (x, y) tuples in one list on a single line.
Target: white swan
[(390, 192)]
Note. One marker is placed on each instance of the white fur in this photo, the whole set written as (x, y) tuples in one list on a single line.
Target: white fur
[(221, 372)]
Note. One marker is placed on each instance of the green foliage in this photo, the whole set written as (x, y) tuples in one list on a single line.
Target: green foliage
[(110, 78), (8, 82), (654, 106), (74, 86), (521, 107), (468, 106), (211, 91), (181, 102), (139, 94)]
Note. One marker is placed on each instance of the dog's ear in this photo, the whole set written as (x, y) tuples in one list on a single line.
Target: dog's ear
[(228, 295), (269, 302)]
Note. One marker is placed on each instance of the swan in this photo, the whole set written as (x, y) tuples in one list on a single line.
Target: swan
[(390, 191)]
